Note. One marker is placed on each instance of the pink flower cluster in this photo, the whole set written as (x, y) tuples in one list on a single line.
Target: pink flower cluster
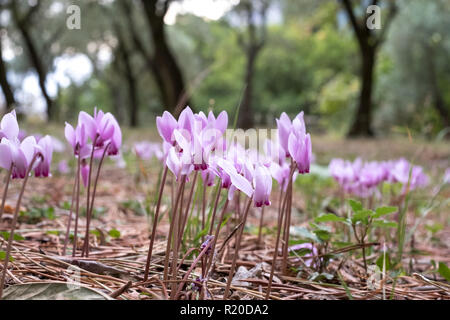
[(196, 142), (362, 178), (18, 154), (104, 133)]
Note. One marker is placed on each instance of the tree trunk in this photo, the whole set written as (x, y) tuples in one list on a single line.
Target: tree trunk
[(133, 106), (362, 122), (438, 100), (170, 79), (36, 63), (6, 88), (246, 117)]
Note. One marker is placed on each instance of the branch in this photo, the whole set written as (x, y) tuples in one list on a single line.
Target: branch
[(359, 31), (390, 17)]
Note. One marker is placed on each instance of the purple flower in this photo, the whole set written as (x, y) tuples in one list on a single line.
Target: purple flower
[(9, 128), (299, 145), (146, 150), (43, 167), (179, 163), (18, 155), (262, 181), (166, 125), (63, 167), (308, 256), (294, 140), (284, 126)]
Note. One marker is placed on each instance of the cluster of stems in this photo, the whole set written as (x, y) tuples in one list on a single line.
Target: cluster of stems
[(15, 217), (89, 202)]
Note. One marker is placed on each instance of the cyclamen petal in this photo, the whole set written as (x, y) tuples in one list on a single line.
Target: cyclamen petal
[(89, 123), (9, 126), (166, 125), (85, 174), (6, 157), (237, 180)]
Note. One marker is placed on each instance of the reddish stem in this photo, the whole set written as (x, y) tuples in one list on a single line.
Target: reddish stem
[(77, 210), (91, 207), (172, 222), (237, 247), (14, 222), (155, 222), (74, 189)]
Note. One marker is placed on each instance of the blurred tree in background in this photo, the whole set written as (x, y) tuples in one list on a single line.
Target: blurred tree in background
[(265, 56)]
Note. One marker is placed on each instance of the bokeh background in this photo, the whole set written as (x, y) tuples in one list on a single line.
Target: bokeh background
[(262, 57)]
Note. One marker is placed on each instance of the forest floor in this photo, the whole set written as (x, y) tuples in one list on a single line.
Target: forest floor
[(116, 262)]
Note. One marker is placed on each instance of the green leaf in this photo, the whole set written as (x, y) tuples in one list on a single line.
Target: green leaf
[(444, 271), (302, 232), (329, 217), (225, 220), (362, 215), (384, 224), (96, 233), (55, 232), (114, 233), (384, 211), (3, 256), (17, 237), (323, 235), (356, 205)]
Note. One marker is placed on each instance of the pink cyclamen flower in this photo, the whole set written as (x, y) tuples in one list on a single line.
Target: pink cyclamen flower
[(295, 141), (284, 126), (262, 182), (308, 257), (237, 181), (104, 129), (146, 150), (18, 155), (179, 163), (63, 167), (43, 167), (166, 125), (77, 138), (9, 128), (299, 145)]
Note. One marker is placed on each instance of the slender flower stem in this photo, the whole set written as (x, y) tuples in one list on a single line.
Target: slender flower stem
[(216, 236), (186, 212), (155, 222), (204, 206), (261, 221), (237, 247), (74, 189), (177, 224), (14, 222), (77, 209), (202, 253), (91, 207), (277, 242), (5, 191), (288, 220), (216, 202), (172, 222), (91, 161), (287, 226), (88, 195)]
